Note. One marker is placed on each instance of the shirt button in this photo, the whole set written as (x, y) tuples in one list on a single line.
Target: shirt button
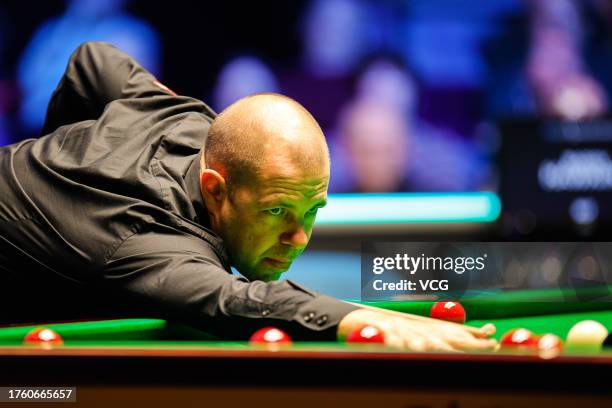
[(322, 320), (308, 317), (265, 312)]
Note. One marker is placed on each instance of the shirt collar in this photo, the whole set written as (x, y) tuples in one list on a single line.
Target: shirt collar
[(192, 179)]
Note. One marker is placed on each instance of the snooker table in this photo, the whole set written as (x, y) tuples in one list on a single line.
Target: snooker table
[(133, 362)]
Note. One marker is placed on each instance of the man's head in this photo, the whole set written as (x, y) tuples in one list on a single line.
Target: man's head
[(265, 171)]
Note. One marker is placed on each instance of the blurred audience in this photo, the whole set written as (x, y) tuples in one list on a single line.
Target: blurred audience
[(407, 123), (7, 89), (561, 82), (240, 77), (384, 146), (442, 41), (44, 59), (386, 81), (335, 37), (555, 61), (374, 142), (5, 123)]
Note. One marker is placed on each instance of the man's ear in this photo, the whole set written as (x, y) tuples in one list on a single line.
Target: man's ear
[(214, 189)]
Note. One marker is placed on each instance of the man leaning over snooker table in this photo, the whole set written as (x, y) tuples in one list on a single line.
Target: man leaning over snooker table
[(138, 201)]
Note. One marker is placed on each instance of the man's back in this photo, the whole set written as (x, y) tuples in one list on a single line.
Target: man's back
[(70, 198), (81, 182)]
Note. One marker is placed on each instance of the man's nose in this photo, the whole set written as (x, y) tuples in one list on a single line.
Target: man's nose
[(297, 238)]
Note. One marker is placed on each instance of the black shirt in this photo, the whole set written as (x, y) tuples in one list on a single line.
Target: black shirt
[(104, 214)]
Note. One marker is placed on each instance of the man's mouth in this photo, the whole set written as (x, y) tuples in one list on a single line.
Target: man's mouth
[(278, 263)]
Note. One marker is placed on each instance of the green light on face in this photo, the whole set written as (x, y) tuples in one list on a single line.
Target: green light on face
[(409, 208)]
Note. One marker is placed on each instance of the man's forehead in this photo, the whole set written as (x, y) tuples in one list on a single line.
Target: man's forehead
[(306, 184), (289, 168), (288, 187)]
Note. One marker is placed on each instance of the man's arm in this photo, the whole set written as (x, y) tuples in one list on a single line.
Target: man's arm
[(180, 277), (97, 73)]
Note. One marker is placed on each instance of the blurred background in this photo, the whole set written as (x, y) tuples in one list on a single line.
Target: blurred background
[(419, 99)]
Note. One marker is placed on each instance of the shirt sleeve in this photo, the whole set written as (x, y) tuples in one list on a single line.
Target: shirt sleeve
[(97, 73), (180, 277)]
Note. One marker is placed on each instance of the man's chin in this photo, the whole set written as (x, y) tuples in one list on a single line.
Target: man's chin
[(271, 270), (264, 274), (274, 276), (267, 270)]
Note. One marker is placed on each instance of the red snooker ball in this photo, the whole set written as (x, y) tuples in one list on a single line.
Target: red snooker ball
[(270, 335), (366, 334), (43, 336), (449, 311), (522, 338)]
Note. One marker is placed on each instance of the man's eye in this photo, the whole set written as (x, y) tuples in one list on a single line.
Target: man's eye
[(275, 211), (313, 211)]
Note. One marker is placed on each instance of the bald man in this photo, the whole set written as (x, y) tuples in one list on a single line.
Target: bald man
[(139, 202)]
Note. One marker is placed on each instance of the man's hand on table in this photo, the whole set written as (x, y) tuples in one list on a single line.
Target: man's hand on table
[(420, 334)]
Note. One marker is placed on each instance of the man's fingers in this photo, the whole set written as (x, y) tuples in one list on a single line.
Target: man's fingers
[(436, 344), (489, 329), (394, 341), (404, 341), (485, 331), (474, 344), (415, 343), (418, 338)]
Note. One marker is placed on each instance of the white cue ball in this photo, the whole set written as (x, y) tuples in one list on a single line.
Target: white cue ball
[(586, 336)]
